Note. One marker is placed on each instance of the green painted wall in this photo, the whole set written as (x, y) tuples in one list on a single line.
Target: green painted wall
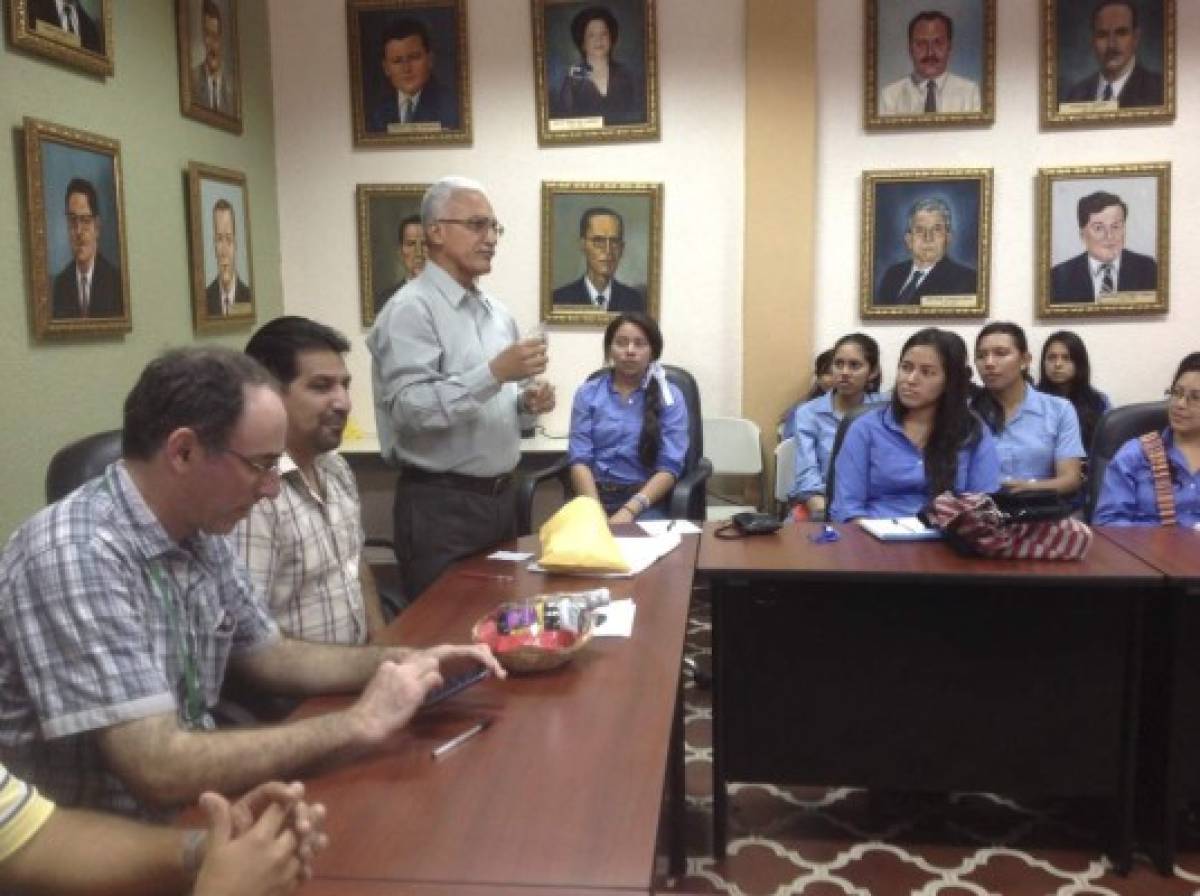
[(56, 392)]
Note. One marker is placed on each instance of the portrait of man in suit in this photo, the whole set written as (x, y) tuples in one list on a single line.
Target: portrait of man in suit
[(930, 87), (68, 21), (1121, 78), (213, 82), (412, 93), (1105, 268), (227, 295), (929, 271), (90, 285), (602, 242), (409, 257)]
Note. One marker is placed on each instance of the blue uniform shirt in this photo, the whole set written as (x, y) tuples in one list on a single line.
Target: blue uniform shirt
[(814, 425), (1044, 431), (881, 473), (1127, 496), (605, 429)]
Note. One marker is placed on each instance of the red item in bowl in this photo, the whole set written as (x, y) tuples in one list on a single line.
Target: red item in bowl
[(552, 640)]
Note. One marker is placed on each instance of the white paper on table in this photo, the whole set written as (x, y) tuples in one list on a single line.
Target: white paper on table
[(662, 527), (513, 556), (618, 619), (639, 554)]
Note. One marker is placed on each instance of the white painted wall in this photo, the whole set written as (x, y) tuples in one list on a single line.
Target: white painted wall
[(700, 160), (1132, 359)]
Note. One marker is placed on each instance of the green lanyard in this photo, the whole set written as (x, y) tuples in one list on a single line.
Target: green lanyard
[(194, 708)]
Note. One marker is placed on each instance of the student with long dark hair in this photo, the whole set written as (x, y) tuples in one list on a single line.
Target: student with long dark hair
[(1066, 371), (822, 382), (1037, 435), (923, 442), (855, 368), (1129, 496), (629, 426)]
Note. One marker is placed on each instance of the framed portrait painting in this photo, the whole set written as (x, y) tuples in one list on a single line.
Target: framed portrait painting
[(1103, 240), (210, 86), (926, 243), (601, 250), (596, 68), (76, 225), (219, 235), (1108, 62), (391, 242), (77, 34), (929, 67), (409, 79)]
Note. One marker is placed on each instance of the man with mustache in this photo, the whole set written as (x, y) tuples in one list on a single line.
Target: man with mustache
[(212, 85), (1121, 78), (303, 547), (930, 89)]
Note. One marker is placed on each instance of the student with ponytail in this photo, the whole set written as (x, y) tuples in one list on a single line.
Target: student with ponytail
[(629, 426)]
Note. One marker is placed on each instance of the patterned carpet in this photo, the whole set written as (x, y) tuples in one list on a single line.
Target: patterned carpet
[(851, 842)]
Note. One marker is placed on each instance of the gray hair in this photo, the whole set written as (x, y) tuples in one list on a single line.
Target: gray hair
[(436, 197), (930, 205)]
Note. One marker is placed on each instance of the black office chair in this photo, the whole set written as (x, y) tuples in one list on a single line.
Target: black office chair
[(80, 461), (689, 494), (1116, 427), (838, 438)]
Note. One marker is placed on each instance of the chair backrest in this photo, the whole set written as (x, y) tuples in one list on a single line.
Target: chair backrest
[(1116, 427), (734, 446), (686, 384), (785, 469), (838, 438), (80, 461)]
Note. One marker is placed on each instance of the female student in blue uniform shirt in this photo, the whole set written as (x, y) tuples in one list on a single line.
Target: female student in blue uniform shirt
[(1037, 435), (923, 442), (1066, 371), (855, 368), (629, 426), (1127, 497)]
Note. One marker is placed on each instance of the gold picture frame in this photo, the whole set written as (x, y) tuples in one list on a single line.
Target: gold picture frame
[(1103, 209), (926, 243), (220, 239), (570, 107), (626, 221), (78, 263), (207, 33), (1073, 88), (34, 25), (428, 40), (898, 53), (389, 228)]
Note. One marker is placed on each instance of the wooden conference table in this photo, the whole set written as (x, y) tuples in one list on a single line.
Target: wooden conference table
[(909, 667), (564, 790), (1170, 766)]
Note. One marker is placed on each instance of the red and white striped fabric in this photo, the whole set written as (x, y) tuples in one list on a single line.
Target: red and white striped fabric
[(974, 521)]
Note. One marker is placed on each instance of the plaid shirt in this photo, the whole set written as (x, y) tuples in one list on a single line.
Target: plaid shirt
[(85, 641), (303, 553)]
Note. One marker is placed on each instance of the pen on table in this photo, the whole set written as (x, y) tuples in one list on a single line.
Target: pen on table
[(490, 576), (455, 741), (670, 525)]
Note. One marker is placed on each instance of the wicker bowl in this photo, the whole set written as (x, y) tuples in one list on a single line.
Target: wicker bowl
[(525, 652)]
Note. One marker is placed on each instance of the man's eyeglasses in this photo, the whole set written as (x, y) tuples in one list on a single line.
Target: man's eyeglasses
[(605, 242), (1190, 397), (261, 469), (478, 226)]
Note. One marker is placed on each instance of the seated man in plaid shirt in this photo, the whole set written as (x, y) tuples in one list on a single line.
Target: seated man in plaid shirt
[(303, 546), (122, 606)]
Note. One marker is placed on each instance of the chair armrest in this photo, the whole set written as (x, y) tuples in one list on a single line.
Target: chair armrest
[(687, 496), (529, 484)]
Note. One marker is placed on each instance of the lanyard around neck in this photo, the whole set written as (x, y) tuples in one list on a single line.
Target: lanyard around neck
[(194, 708)]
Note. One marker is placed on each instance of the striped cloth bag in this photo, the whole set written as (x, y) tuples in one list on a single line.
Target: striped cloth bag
[(973, 524)]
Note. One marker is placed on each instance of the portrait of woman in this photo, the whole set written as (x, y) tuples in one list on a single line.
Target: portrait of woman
[(598, 85), (595, 65)]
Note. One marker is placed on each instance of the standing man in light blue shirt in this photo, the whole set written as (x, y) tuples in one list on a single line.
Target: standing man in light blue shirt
[(452, 380)]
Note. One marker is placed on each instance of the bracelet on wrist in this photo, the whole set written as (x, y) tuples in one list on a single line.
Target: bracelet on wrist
[(641, 502)]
